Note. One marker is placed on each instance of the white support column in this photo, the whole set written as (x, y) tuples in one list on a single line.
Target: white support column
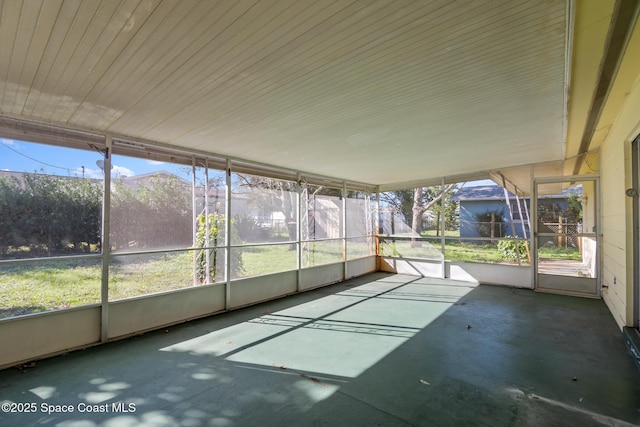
[(598, 231), (227, 238), (304, 226), (207, 227), (533, 227), (442, 224), (105, 241), (377, 231), (299, 232), (344, 230), (368, 218), (194, 219)]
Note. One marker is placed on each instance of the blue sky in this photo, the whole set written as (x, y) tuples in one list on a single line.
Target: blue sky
[(29, 157), (23, 156)]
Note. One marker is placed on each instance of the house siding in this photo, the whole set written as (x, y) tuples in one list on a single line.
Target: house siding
[(617, 215), (469, 223)]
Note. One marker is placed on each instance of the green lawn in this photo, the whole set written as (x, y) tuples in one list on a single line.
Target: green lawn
[(473, 252), (456, 250), (447, 233), (44, 286), (51, 285)]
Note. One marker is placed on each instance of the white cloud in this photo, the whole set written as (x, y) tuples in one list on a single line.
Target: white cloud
[(155, 162), (121, 171), (9, 142), (116, 172), (88, 173)]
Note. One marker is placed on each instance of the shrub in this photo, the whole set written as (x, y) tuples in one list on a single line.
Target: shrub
[(508, 249), (42, 215), (215, 236), (249, 230)]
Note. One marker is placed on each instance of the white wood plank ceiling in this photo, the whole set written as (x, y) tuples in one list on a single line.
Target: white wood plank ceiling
[(376, 91)]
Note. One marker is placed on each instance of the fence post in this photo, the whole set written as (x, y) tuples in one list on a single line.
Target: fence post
[(560, 230), (493, 224)]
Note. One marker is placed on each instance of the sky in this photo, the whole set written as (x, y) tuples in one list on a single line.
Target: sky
[(20, 156)]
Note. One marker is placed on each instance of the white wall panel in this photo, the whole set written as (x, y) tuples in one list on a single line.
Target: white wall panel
[(261, 288), (495, 274), (320, 275), (360, 266), (413, 267), (39, 335), (135, 315)]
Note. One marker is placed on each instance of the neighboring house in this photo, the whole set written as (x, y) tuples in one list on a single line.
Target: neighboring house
[(12, 175), (135, 181), (480, 205)]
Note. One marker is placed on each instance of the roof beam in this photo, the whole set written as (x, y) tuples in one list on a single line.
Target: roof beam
[(622, 23)]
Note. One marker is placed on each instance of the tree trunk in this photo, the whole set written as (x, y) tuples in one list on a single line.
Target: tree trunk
[(288, 209), (416, 221)]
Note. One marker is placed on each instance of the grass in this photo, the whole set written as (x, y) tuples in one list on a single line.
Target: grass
[(48, 286), (447, 233), (559, 253), (135, 275), (53, 285), (473, 252), (456, 250), (267, 259)]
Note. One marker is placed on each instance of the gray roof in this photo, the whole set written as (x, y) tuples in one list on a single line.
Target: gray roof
[(496, 192), (484, 192)]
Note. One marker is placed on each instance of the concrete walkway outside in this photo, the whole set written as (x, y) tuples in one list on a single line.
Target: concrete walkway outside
[(564, 267), (380, 350)]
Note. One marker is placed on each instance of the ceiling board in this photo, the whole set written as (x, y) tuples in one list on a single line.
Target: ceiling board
[(381, 92)]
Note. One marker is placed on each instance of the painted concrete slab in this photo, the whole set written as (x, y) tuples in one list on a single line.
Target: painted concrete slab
[(386, 350)]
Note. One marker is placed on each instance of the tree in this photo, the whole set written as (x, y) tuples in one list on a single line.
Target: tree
[(153, 214), (273, 195), (400, 202), (574, 210), (549, 210), (423, 200), (414, 203), (451, 212)]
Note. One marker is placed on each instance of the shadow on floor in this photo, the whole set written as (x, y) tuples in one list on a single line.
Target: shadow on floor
[(387, 350)]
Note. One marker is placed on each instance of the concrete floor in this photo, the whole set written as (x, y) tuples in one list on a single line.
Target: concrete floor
[(380, 350)]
